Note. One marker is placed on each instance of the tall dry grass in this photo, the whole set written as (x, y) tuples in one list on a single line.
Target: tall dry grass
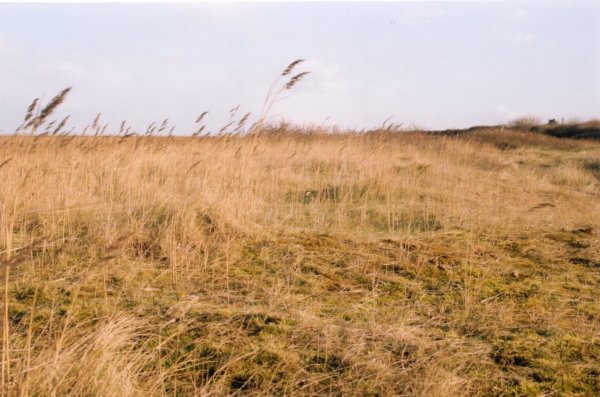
[(300, 263), (275, 260)]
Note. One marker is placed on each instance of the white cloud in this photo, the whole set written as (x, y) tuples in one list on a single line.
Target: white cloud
[(520, 15), (506, 113), (223, 10), (324, 77), (515, 27), (422, 13), (63, 70), (523, 38), (417, 15)]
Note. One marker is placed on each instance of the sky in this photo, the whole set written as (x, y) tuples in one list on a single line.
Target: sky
[(428, 65)]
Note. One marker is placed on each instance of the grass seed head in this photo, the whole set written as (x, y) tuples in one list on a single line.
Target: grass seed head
[(31, 109), (50, 107), (291, 67), (60, 126), (199, 119), (96, 121), (294, 80)]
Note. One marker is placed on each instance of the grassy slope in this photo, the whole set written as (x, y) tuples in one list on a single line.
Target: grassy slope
[(379, 264)]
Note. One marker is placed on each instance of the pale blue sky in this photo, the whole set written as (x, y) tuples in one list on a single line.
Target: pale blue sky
[(435, 65)]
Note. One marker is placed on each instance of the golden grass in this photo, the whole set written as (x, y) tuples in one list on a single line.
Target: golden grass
[(301, 263)]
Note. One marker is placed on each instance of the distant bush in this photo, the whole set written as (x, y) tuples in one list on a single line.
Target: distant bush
[(525, 122), (588, 130)]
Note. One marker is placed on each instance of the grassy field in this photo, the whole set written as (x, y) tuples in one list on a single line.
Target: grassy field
[(301, 263)]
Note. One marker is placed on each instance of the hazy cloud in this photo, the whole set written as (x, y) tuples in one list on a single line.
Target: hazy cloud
[(325, 77), (212, 57), (228, 11), (505, 112), (520, 15), (417, 15), (523, 38)]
